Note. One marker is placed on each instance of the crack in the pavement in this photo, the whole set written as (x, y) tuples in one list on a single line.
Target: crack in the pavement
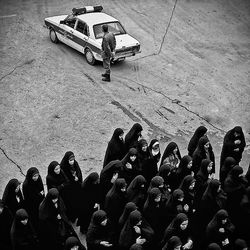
[(18, 66), (177, 102), (163, 38), (18, 166)]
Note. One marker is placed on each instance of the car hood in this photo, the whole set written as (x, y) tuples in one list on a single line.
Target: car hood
[(124, 40)]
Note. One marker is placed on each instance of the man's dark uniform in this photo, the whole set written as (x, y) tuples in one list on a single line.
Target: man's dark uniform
[(108, 47)]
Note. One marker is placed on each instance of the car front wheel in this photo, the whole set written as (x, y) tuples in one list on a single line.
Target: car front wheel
[(89, 57), (53, 36)]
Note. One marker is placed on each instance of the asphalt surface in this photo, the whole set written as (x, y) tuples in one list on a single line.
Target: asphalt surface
[(193, 70)]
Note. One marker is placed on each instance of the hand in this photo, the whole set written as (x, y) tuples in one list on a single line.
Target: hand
[(97, 206), (237, 142), (128, 165), (59, 217), (186, 207), (222, 230), (42, 192), (114, 177), (236, 149), (137, 229), (225, 242), (211, 176), (188, 245), (76, 178), (105, 243), (140, 240)]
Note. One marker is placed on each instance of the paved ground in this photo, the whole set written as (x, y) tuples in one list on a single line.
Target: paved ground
[(193, 71)]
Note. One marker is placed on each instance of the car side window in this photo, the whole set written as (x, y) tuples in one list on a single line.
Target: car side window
[(82, 27), (71, 23)]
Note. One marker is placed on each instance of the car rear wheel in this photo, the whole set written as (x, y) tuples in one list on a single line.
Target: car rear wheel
[(89, 57), (53, 36)]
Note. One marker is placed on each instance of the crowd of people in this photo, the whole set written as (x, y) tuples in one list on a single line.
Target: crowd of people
[(141, 199)]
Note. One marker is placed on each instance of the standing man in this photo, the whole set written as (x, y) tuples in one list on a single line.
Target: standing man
[(108, 51)]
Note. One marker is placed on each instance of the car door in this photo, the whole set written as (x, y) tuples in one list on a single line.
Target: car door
[(81, 35), (69, 36)]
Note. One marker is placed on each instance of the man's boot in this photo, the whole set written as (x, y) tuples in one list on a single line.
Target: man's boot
[(106, 78), (105, 75)]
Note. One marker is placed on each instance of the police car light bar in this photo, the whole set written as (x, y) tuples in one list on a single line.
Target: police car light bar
[(87, 9)]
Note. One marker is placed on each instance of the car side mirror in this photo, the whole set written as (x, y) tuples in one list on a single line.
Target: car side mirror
[(62, 22)]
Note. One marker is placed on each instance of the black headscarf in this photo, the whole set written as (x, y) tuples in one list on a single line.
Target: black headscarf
[(53, 180), (200, 154), (10, 196), (174, 229), (169, 151), (136, 191), (129, 173), (212, 231), (199, 132), (131, 138), (116, 147), (22, 235), (172, 243), (229, 145), (115, 201), (227, 166), (70, 169), (213, 246), (129, 207), (183, 169)]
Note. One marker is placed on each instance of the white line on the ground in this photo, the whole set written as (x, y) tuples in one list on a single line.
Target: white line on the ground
[(8, 16)]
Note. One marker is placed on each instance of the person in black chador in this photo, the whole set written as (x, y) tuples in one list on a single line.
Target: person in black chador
[(129, 168), (234, 186), (116, 147), (213, 199), (6, 219), (137, 231), (188, 188), (98, 236), (158, 182), (115, 202), (244, 217), (129, 207), (56, 178), (165, 173), (72, 243), (22, 234), (108, 176), (153, 212), (132, 137), (88, 201), (74, 174), (233, 145), (54, 226), (203, 177), (33, 192), (227, 166), (143, 154), (136, 191), (150, 168), (174, 206), (184, 169), (171, 155), (220, 230), (12, 196), (193, 143), (213, 246), (174, 243), (203, 151), (179, 227)]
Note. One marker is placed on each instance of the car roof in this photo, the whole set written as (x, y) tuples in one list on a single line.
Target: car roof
[(96, 18)]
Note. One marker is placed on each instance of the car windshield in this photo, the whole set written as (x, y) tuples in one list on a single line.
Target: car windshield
[(114, 27)]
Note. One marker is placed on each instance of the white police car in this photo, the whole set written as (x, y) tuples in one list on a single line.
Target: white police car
[(82, 30)]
